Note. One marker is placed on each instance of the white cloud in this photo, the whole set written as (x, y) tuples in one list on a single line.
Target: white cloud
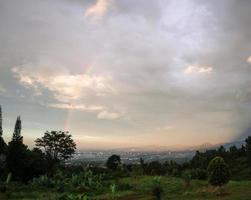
[(98, 10), (65, 87), (198, 70), (108, 115), (101, 112), (70, 90), (80, 107)]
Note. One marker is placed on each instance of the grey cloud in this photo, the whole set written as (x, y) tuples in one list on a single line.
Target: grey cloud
[(144, 47)]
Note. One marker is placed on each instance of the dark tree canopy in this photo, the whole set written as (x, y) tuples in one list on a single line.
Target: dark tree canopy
[(154, 167), (3, 145), (218, 172), (248, 148), (113, 162), (58, 145)]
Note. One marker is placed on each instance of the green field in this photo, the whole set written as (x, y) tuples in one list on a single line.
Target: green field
[(139, 188)]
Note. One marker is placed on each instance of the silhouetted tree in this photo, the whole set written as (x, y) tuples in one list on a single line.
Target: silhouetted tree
[(113, 162), (36, 164), (58, 146), (17, 131), (17, 153), (3, 145), (218, 172)]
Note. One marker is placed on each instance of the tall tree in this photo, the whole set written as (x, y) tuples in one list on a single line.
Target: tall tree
[(1, 123), (17, 131), (3, 145), (17, 153)]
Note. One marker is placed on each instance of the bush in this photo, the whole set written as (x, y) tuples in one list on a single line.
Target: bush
[(218, 172), (124, 186)]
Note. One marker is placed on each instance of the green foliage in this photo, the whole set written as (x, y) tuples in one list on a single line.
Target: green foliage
[(43, 182), (186, 176), (154, 168), (8, 179), (72, 197), (157, 189), (218, 172), (113, 188), (172, 168)]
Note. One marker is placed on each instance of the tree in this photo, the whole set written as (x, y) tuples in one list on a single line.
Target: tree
[(3, 145), (17, 153), (58, 145), (248, 149), (113, 162), (17, 131), (218, 172)]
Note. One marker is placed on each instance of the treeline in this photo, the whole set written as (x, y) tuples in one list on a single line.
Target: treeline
[(22, 164), (238, 161)]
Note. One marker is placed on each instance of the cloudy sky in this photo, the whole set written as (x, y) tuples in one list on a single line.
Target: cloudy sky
[(120, 73)]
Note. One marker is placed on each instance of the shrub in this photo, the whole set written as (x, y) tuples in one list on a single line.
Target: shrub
[(200, 174), (218, 172), (43, 181), (113, 190)]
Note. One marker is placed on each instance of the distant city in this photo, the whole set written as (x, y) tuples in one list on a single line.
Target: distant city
[(133, 155)]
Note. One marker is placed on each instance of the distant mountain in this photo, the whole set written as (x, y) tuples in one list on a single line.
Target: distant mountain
[(180, 148), (236, 143)]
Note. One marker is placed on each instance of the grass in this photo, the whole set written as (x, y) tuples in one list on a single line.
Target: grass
[(140, 189)]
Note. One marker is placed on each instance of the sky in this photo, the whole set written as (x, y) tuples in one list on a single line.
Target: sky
[(126, 73)]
